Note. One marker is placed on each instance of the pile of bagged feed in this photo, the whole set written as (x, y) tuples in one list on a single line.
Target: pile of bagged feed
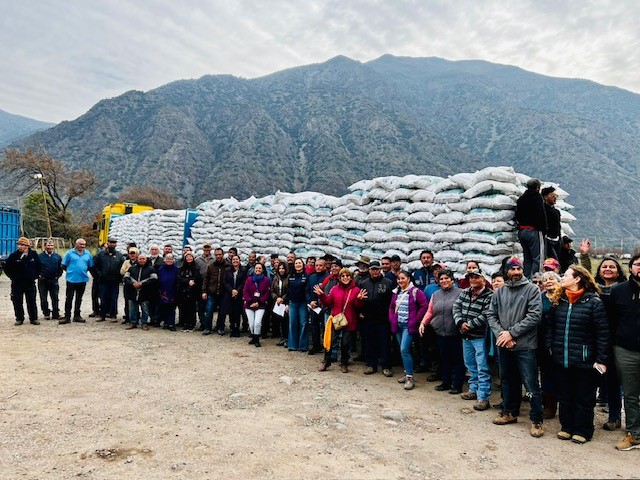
[(467, 216)]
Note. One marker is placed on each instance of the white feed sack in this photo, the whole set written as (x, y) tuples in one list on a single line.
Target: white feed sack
[(466, 216)]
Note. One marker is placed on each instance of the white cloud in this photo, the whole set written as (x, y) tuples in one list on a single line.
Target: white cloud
[(60, 58)]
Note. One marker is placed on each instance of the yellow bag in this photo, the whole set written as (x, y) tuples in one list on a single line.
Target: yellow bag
[(326, 341)]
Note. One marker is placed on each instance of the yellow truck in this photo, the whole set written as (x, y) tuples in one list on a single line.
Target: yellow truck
[(114, 210)]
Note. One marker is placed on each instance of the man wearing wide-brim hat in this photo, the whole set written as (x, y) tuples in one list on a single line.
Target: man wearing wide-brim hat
[(23, 268)]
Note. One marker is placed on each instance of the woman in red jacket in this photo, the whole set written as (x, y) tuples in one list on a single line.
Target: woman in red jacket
[(345, 298)]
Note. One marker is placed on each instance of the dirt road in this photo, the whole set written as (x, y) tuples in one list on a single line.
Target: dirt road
[(95, 401)]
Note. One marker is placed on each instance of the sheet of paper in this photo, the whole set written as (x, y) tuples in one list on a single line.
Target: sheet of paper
[(279, 309)]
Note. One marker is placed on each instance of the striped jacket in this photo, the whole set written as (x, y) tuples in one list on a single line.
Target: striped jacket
[(474, 312)]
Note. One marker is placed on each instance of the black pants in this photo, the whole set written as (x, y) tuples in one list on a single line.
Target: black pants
[(109, 299), (452, 361), (95, 296), (26, 289), (345, 346), (316, 320), (187, 314), (280, 326), (77, 290), (234, 310), (167, 314), (49, 288), (577, 398)]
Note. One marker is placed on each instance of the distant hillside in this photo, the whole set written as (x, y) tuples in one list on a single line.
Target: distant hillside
[(16, 127), (323, 126)]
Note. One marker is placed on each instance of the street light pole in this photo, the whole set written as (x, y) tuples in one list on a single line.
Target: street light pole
[(38, 176)]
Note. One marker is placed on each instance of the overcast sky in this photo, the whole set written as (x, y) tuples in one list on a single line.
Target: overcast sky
[(61, 57)]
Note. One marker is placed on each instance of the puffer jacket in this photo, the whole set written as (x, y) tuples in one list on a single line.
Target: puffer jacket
[(578, 333), (256, 292), (473, 312), (624, 313), (147, 276), (338, 297)]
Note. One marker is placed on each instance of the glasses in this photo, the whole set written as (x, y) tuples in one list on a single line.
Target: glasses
[(345, 275), (538, 282), (132, 253)]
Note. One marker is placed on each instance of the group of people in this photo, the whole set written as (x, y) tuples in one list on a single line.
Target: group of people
[(562, 338)]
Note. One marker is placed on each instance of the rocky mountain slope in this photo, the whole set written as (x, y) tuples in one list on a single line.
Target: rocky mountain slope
[(15, 127), (323, 126)]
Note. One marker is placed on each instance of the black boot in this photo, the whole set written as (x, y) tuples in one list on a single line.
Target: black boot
[(253, 340), (257, 342)]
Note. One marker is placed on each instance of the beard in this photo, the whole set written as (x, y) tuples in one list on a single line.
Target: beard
[(515, 277)]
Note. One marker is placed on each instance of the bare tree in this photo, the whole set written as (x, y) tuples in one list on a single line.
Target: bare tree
[(151, 196), (22, 171)]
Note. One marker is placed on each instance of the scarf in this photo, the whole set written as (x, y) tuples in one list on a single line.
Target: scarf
[(573, 297)]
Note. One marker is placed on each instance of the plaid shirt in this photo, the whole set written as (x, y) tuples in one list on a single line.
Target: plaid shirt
[(473, 311)]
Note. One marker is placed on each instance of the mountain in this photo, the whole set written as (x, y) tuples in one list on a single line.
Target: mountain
[(323, 126), (15, 127)]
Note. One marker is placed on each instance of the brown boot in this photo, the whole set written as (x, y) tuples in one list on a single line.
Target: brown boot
[(550, 403)]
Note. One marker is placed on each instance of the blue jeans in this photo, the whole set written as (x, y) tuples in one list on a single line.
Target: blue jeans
[(298, 334), (133, 312), (405, 339), (109, 299), (532, 242), (522, 362), (213, 301), (475, 359)]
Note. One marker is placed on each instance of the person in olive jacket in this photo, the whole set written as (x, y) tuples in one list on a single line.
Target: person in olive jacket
[(213, 288), (578, 335)]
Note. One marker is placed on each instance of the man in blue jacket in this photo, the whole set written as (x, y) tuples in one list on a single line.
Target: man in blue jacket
[(23, 267), (76, 264), (50, 272)]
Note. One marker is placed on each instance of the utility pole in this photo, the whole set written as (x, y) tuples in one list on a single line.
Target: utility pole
[(38, 176)]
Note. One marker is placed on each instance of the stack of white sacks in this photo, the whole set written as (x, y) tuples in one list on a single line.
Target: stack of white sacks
[(468, 216), (151, 227)]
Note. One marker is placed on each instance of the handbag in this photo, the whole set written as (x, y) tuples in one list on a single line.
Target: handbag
[(340, 320)]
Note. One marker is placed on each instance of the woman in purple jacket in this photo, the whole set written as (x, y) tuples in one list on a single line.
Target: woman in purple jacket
[(408, 306), (168, 284), (257, 290)]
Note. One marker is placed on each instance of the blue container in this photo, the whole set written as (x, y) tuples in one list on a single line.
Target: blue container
[(9, 230)]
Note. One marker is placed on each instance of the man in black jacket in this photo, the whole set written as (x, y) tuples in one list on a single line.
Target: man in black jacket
[(23, 267), (532, 226), (375, 321), (624, 317), (552, 237), (107, 265), (48, 286), (139, 282)]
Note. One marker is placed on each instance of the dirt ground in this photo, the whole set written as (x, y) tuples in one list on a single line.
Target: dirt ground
[(94, 401)]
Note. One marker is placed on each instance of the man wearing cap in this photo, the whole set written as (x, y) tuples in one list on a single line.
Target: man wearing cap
[(50, 272), (470, 315), (132, 257), (567, 254), (532, 226), (375, 327), (76, 263), (552, 237), (108, 263), (514, 314), (551, 265), (396, 267), (23, 267)]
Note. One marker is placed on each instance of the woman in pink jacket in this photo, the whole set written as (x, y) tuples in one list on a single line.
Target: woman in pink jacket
[(345, 298), (256, 293)]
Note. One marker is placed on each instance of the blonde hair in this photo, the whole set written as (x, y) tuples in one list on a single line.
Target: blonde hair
[(345, 271)]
